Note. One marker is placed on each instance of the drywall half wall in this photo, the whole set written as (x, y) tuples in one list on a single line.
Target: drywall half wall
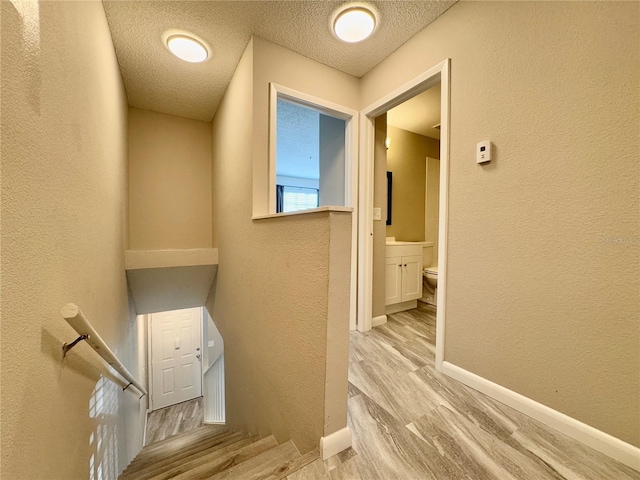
[(543, 251), (270, 299), (406, 159), (169, 181), (64, 198)]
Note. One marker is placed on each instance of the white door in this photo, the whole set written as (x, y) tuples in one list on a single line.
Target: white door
[(393, 281), (176, 357), (411, 277)]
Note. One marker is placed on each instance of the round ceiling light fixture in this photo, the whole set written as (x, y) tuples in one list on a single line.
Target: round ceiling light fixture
[(187, 48), (354, 22)]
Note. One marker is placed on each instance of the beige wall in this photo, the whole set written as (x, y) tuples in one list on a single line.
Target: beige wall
[(270, 300), (554, 85), (64, 196), (379, 227), (169, 186), (406, 158)]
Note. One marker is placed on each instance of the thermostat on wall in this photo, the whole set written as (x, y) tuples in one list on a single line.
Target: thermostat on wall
[(483, 152)]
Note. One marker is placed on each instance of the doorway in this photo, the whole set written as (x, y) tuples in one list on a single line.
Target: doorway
[(438, 74), (175, 357)]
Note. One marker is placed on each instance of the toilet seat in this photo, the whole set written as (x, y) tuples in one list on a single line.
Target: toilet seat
[(431, 270)]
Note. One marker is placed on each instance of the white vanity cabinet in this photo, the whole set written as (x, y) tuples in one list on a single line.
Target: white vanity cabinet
[(403, 275)]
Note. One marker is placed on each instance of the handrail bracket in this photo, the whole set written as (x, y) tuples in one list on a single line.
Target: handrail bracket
[(68, 346)]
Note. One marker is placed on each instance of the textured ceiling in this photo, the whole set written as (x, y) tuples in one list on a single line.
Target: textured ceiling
[(156, 80), (418, 114)]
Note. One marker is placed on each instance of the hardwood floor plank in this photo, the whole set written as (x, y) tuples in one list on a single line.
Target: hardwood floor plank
[(411, 422), (175, 445), (314, 471), (175, 419), (262, 466), (477, 451), (152, 466), (570, 458), (211, 465)]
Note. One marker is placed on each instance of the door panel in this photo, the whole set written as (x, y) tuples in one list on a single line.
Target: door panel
[(176, 368), (393, 281), (411, 277)]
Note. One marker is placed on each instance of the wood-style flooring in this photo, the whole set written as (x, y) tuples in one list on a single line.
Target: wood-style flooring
[(175, 419), (410, 422)]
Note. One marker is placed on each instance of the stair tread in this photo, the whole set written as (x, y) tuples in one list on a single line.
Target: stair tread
[(213, 464), (179, 443), (274, 463), (204, 429), (167, 460)]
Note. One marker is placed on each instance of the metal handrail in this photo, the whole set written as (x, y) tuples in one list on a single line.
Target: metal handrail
[(72, 314)]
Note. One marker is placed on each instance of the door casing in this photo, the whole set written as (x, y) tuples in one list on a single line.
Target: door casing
[(439, 73)]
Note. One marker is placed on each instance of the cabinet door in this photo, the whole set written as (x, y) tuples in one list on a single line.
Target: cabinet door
[(411, 278), (393, 281)]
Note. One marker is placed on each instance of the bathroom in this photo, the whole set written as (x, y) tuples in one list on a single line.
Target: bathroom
[(412, 189)]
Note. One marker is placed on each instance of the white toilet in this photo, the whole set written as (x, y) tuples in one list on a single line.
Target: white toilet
[(430, 275)]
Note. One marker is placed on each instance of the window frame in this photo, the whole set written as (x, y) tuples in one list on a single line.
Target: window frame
[(350, 117)]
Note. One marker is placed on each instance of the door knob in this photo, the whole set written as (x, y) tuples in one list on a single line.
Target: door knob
[(198, 356)]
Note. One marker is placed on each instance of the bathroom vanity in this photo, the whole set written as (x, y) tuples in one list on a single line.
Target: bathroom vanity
[(403, 275)]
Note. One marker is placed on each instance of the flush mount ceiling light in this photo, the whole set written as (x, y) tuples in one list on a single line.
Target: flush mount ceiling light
[(354, 22), (187, 48)]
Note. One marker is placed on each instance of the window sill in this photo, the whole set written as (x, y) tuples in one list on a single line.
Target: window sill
[(328, 208)]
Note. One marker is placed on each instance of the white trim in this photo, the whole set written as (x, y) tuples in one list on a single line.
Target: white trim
[(381, 320), (365, 222), (335, 443), (443, 214), (400, 307), (424, 81), (594, 438), (149, 364), (144, 433), (351, 178)]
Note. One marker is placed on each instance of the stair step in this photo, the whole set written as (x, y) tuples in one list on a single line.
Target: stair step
[(178, 443), (209, 465), (182, 439), (161, 460), (273, 464)]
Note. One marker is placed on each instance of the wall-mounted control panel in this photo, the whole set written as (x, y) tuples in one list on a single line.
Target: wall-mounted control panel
[(483, 152)]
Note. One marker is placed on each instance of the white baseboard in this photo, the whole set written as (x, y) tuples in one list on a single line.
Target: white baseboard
[(144, 433), (335, 443), (381, 320), (594, 438), (400, 307)]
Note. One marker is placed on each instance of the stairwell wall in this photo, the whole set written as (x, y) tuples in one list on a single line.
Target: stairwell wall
[(64, 196)]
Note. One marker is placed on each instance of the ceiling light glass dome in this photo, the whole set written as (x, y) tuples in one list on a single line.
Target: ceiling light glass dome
[(354, 23), (187, 48)]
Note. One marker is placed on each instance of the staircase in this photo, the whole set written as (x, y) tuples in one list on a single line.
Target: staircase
[(207, 453)]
